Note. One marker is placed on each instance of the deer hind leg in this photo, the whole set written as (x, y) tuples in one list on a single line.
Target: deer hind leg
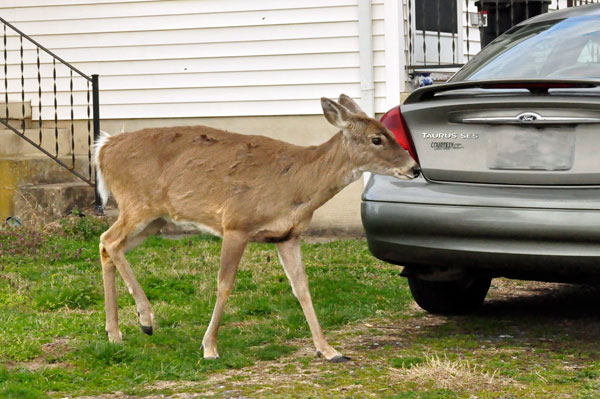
[(291, 258), (110, 296), (232, 248), (121, 237)]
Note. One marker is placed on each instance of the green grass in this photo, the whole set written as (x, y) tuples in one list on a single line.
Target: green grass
[(52, 340)]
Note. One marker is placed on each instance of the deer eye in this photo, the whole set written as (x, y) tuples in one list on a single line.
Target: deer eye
[(376, 140)]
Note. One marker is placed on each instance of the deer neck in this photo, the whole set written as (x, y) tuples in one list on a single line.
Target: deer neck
[(328, 171)]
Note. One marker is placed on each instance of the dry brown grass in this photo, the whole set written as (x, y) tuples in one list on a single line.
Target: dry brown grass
[(456, 375)]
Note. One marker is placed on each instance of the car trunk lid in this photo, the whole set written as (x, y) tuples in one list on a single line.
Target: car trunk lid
[(525, 132)]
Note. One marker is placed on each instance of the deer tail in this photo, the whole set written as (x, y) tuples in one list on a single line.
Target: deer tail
[(100, 183)]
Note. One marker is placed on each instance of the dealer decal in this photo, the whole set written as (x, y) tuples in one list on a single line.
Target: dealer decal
[(451, 136), (446, 145)]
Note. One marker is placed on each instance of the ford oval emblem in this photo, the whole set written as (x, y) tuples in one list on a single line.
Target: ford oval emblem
[(528, 117)]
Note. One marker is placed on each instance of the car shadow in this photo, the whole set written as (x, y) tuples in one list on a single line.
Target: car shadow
[(553, 317), (548, 317), (554, 301)]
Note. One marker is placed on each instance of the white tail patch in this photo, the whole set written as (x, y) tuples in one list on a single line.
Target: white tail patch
[(102, 188)]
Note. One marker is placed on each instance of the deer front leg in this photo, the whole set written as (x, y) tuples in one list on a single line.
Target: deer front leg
[(291, 258), (232, 249)]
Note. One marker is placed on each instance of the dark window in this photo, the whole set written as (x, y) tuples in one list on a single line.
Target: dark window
[(427, 12)]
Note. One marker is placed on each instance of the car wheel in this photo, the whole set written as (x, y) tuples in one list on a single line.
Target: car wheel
[(450, 297)]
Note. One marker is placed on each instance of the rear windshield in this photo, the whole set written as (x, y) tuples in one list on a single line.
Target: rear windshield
[(557, 49)]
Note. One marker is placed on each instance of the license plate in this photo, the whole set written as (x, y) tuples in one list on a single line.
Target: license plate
[(531, 149)]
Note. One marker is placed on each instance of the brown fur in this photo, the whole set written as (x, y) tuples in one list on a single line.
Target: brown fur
[(226, 181)]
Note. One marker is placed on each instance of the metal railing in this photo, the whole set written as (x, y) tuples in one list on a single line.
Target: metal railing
[(445, 34), (32, 73)]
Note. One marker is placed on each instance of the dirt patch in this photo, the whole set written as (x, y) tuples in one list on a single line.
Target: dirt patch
[(51, 351), (58, 347)]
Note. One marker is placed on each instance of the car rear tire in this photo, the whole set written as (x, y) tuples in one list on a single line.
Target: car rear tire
[(450, 297)]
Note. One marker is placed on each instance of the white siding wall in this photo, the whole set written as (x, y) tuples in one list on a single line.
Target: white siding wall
[(379, 64), (194, 58)]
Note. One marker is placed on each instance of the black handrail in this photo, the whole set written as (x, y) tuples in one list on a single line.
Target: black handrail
[(5, 22), (93, 113)]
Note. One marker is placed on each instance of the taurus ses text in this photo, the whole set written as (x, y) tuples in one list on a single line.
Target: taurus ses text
[(242, 188)]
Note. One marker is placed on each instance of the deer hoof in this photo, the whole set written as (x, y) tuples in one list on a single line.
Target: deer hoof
[(146, 329), (213, 357), (114, 338), (335, 359)]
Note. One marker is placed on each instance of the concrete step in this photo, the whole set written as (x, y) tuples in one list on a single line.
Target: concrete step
[(15, 114), (39, 169), (14, 110), (16, 172), (13, 145), (49, 202), (18, 123)]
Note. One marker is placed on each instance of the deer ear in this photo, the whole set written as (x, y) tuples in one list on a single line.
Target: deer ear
[(350, 104), (335, 113)]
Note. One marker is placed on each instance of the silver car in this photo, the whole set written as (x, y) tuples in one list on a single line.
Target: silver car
[(510, 155)]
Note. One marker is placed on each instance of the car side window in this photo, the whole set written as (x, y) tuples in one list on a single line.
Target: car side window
[(590, 54)]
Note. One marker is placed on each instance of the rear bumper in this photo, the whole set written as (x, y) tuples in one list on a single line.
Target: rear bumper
[(538, 243)]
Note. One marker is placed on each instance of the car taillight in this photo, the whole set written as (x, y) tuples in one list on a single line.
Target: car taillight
[(395, 123)]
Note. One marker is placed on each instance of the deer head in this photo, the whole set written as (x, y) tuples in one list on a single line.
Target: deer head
[(371, 146)]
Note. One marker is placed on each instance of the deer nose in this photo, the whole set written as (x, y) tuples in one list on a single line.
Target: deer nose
[(416, 171)]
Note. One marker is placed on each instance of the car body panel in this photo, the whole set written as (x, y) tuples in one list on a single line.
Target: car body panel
[(421, 191), (455, 142)]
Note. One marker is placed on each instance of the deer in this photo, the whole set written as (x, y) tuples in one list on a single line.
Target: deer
[(242, 188)]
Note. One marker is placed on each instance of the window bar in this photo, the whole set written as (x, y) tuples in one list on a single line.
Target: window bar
[(454, 23), (497, 18), (410, 34), (439, 40), (424, 38), (22, 87), (39, 76), (526, 9), (55, 106), (6, 76), (89, 129), (72, 123), (467, 17), (512, 13)]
